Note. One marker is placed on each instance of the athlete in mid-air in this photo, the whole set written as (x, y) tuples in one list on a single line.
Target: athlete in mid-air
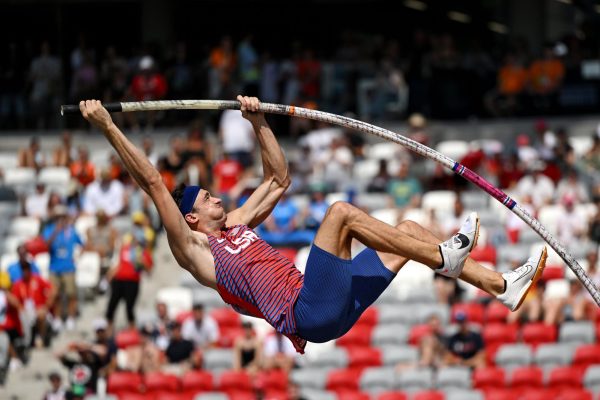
[(222, 251)]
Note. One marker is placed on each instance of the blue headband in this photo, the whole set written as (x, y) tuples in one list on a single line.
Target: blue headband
[(189, 197)]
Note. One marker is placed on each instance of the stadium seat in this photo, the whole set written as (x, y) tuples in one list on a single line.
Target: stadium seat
[(363, 357), (228, 336), (485, 253), (475, 200), (310, 378), (230, 381), (399, 354), (495, 333), (574, 394), (42, 260), (387, 215), (313, 394), (455, 149), (275, 395), (176, 298), (226, 318), (526, 377), (352, 395), (553, 272), (428, 395), (127, 338), (22, 180), (56, 179), (168, 396), (334, 358), (417, 332), (83, 223), (397, 314), (496, 312), (390, 334), (160, 382), (442, 201), (218, 359), (272, 380), (454, 377), (501, 394), (457, 394), (7, 259), (513, 355), (358, 336), (385, 150), (241, 395), (25, 227), (427, 310), (121, 382), (537, 394), (566, 377), (377, 379), (537, 333), (415, 379), (132, 396), (342, 380), (8, 160), (365, 170), (577, 332), (301, 258), (368, 318), (474, 312), (391, 396), (591, 378), (553, 354), (586, 355), (194, 381), (87, 273), (211, 396), (488, 377)]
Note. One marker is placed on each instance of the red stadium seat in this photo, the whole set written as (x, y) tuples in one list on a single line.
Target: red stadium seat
[(230, 381), (170, 396), (490, 352), (527, 377), (275, 395), (538, 332), (363, 357), (552, 272), (226, 318), (369, 317), (417, 332), (392, 396), (342, 380), (474, 311), (161, 382), (485, 253), (500, 333), (501, 394), (574, 394), (128, 337), (183, 315), (228, 336), (567, 377), (537, 394), (272, 380), (132, 396), (358, 336), (352, 395), (496, 312), (428, 395), (241, 395), (489, 377), (586, 355), (197, 381), (121, 382)]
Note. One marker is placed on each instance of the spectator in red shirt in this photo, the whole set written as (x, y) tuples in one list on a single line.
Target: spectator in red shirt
[(10, 323), (148, 84), (226, 174), (36, 296)]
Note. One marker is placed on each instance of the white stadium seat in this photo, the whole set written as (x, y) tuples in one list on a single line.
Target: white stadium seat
[(176, 298), (455, 149), (25, 226)]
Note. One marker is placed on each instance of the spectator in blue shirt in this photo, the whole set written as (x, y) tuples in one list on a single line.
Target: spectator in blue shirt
[(281, 227), (15, 272), (62, 238)]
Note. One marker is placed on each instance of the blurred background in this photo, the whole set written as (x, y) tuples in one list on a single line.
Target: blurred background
[(92, 303)]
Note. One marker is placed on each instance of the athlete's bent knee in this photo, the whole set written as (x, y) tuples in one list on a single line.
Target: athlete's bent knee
[(340, 210)]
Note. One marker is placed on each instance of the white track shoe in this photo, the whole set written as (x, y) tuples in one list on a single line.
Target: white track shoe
[(456, 249), (522, 279)]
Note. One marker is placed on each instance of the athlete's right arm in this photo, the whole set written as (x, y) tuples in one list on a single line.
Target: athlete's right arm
[(181, 240)]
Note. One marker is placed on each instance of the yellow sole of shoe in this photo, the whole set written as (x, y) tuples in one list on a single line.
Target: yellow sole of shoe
[(536, 277)]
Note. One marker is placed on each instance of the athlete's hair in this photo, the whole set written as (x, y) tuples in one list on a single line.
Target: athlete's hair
[(178, 194)]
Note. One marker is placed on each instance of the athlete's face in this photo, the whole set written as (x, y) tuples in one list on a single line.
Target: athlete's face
[(208, 208)]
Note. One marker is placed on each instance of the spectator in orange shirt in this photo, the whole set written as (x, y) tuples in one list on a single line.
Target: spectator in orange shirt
[(222, 62), (545, 78), (36, 296), (512, 80), (82, 169)]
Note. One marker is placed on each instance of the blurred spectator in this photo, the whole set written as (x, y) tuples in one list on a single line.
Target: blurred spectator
[(527, 154), (13, 75), (538, 185), (226, 175), (115, 166), (572, 226), (465, 347), (237, 137), (45, 72), (102, 239), (148, 148), (453, 222), (417, 128), (200, 328), (15, 270), (380, 181), (278, 352), (158, 328), (54, 200), (198, 153), (432, 346), (336, 164), (405, 190), (168, 177), (591, 159), (506, 99), (104, 194), (142, 358), (180, 74), (36, 203), (571, 185), (545, 77), (281, 226), (113, 73), (248, 66), (179, 350), (510, 172), (85, 80), (10, 322), (223, 62), (84, 366), (569, 307), (314, 214), (83, 169), (309, 75), (57, 391), (439, 179), (294, 392), (36, 296), (32, 156), (174, 159), (62, 239), (104, 346), (247, 350), (148, 84), (594, 225), (514, 224), (64, 153), (135, 257)]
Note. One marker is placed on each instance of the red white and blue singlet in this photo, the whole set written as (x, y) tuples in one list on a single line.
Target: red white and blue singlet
[(257, 280)]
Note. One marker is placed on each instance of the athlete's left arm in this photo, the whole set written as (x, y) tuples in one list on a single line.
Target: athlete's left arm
[(275, 169)]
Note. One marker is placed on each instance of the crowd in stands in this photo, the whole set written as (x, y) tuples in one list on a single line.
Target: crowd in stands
[(435, 74)]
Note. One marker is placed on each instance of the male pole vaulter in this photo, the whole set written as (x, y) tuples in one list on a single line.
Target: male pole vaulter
[(223, 252)]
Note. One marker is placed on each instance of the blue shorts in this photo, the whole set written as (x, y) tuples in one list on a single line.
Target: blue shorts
[(336, 292)]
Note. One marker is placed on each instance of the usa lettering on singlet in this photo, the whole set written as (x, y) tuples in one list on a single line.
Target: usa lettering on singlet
[(256, 280)]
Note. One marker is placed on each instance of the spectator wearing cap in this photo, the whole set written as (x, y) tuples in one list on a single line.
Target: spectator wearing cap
[(82, 169), (466, 347), (62, 240), (15, 270), (36, 297), (135, 257), (247, 350), (106, 194), (36, 203), (56, 391), (200, 328), (104, 346)]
